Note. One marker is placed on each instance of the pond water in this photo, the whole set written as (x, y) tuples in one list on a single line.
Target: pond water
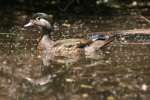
[(120, 72)]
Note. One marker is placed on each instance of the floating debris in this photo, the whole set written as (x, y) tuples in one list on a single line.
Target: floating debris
[(86, 86), (41, 81), (144, 87), (85, 95), (69, 80)]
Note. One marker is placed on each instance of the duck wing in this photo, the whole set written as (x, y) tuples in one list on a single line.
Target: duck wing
[(78, 43)]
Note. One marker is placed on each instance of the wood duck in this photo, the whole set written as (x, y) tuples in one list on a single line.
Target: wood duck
[(67, 49)]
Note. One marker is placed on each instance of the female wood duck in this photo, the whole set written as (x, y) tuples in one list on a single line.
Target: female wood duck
[(67, 49)]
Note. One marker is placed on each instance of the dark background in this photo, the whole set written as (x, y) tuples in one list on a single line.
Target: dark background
[(97, 7), (12, 11)]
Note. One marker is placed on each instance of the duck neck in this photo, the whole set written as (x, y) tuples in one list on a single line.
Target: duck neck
[(46, 31), (45, 40)]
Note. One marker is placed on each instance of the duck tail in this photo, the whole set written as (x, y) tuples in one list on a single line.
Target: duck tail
[(109, 40)]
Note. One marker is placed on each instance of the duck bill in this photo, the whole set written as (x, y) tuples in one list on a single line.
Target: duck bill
[(28, 24)]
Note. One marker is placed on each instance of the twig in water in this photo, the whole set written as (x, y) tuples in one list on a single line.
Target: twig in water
[(146, 19)]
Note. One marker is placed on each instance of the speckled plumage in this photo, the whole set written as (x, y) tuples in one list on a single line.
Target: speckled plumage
[(67, 49), (61, 49)]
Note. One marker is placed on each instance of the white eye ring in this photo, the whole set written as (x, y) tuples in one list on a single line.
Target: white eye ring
[(38, 18)]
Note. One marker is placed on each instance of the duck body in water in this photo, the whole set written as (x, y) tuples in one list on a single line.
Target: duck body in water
[(67, 49)]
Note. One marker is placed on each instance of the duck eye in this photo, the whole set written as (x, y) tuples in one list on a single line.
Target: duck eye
[(38, 18)]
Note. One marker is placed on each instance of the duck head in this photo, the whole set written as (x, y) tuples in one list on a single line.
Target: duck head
[(40, 20)]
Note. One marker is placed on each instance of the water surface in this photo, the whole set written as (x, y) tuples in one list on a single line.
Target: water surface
[(121, 71)]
